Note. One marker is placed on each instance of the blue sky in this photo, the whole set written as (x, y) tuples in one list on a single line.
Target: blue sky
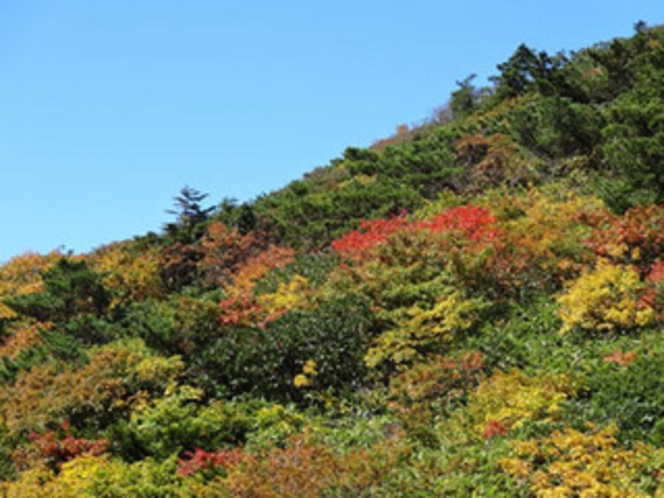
[(109, 108)]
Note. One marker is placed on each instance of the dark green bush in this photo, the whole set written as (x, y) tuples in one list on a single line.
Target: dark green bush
[(264, 361)]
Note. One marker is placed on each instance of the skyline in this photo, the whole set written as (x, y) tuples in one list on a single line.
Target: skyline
[(111, 109)]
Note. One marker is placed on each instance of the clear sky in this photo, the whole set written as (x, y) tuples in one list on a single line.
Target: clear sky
[(109, 108)]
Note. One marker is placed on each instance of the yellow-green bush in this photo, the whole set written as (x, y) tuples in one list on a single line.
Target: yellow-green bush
[(424, 330), (605, 299), (295, 294), (505, 401), (569, 463), (95, 477)]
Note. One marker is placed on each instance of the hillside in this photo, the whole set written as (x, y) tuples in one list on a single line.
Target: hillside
[(471, 307)]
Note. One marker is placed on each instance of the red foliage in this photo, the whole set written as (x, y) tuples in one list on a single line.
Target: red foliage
[(372, 233), (654, 291), (201, 461), (240, 310), (656, 274), (55, 450), (474, 223), (494, 428)]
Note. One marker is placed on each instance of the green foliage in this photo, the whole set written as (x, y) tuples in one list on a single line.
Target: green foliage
[(264, 361), (626, 391), (314, 267), (633, 144), (525, 336), (557, 126), (304, 218), (178, 326), (190, 216), (465, 98), (176, 422), (70, 289), (526, 70)]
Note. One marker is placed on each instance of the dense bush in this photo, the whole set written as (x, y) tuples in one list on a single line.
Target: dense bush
[(264, 361)]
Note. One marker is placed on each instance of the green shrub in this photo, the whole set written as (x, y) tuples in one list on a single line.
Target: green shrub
[(176, 423), (627, 390), (264, 361)]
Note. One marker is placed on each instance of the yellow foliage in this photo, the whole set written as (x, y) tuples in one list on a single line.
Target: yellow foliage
[(308, 373), (309, 368), (280, 419), (32, 484), (296, 294), (301, 380), (543, 237), (512, 398), (424, 329), (570, 463), (100, 476), (131, 276), (605, 299), (72, 482)]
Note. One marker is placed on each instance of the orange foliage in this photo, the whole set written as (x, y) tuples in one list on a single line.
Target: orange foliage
[(543, 239), (258, 266), (620, 358), (653, 293), (241, 306), (178, 264), (23, 337), (635, 238), (431, 388), (306, 468), (302, 469), (224, 250), (130, 274)]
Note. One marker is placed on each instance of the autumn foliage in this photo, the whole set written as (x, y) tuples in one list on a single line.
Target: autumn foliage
[(472, 307)]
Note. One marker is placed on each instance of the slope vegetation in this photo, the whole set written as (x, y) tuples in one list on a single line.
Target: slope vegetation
[(472, 307)]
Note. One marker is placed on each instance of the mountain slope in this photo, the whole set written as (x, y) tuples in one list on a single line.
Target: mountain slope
[(470, 307)]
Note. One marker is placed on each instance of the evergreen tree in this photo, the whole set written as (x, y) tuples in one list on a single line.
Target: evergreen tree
[(191, 216)]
